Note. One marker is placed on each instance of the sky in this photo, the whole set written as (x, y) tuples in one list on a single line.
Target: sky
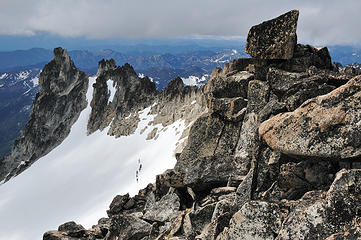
[(321, 22)]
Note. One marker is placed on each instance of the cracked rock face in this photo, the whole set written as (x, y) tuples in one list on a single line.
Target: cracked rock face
[(56, 108), (274, 39)]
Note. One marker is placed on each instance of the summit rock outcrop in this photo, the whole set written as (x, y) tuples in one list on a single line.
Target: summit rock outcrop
[(248, 168), (56, 107), (274, 39), (323, 127)]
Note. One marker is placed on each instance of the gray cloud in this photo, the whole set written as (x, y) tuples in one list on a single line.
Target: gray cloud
[(320, 22)]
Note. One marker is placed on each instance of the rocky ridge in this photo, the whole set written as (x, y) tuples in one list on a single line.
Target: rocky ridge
[(55, 109), (275, 157), (132, 93)]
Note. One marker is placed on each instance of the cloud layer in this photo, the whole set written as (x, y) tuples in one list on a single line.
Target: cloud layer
[(320, 22)]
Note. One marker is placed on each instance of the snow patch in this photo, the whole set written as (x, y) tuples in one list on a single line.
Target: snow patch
[(23, 75), (141, 75), (35, 81), (195, 81), (4, 75), (111, 89), (78, 179)]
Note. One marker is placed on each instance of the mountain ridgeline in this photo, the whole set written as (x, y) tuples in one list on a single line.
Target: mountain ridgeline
[(119, 94), (272, 151)]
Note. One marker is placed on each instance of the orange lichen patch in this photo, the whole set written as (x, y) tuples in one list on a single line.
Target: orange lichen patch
[(324, 118)]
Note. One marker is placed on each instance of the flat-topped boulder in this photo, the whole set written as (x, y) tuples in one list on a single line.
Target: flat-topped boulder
[(327, 126), (275, 38)]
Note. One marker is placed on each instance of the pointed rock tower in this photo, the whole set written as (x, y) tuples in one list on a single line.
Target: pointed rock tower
[(55, 109)]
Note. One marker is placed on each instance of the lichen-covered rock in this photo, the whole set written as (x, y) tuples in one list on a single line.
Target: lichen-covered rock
[(166, 209), (349, 234), (306, 56), (274, 39), (195, 221), (117, 205), (222, 214), (73, 229), (295, 179), (258, 96), (221, 86), (255, 220), (130, 226), (318, 215), (208, 157), (295, 88), (231, 109), (68, 231), (323, 127)]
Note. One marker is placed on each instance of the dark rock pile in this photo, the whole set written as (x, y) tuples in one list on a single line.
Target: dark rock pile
[(55, 109), (275, 156)]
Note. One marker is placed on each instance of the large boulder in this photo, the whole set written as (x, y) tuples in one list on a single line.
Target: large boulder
[(164, 210), (129, 227), (318, 214), (295, 88), (305, 56), (325, 127), (117, 205), (274, 39), (255, 220)]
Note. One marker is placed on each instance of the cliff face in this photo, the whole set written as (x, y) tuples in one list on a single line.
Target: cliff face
[(55, 108), (274, 157)]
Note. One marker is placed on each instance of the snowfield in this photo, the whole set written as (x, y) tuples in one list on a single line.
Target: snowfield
[(195, 81), (79, 178)]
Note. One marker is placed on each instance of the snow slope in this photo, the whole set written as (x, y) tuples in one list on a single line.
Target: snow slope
[(79, 178)]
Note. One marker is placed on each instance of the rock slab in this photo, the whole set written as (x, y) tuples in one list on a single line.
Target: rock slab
[(274, 39), (327, 126)]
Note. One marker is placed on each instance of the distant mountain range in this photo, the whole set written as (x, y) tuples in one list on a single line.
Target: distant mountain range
[(17, 91)]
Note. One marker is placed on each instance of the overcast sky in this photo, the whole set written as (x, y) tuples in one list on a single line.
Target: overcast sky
[(320, 22)]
